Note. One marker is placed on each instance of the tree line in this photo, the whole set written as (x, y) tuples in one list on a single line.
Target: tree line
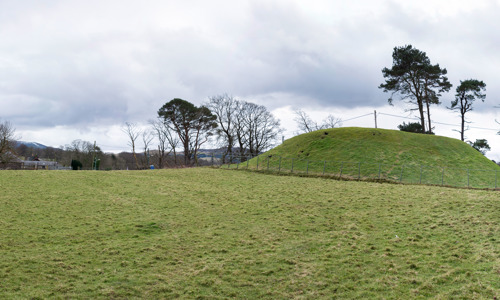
[(79, 154), (237, 127)]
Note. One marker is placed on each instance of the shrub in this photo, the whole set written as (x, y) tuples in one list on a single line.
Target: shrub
[(76, 164)]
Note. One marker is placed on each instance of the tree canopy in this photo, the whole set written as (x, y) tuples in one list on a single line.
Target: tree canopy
[(416, 80), (480, 145), (192, 124), (244, 128)]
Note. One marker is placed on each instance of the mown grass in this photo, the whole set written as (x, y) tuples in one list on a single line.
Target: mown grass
[(212, 234)]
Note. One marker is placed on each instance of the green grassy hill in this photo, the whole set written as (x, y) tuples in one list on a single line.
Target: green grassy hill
[(386, 154)]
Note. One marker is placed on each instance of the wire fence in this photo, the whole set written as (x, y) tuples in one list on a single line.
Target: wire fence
[(368, 171)]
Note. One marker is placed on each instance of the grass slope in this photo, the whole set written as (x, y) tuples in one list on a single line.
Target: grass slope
[(215, 234), (383, 152), (384, 146)]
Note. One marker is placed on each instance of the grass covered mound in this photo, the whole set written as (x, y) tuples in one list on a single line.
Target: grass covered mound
[(212, 234), (354, 144), (368, 153)]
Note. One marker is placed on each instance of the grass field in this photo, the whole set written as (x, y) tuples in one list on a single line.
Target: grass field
[(214, 234)]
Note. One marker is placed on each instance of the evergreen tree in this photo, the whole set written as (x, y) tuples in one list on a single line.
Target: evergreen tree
[(416, 80)]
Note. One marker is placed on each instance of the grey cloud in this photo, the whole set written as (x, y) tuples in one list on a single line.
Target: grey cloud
[(76, 72)]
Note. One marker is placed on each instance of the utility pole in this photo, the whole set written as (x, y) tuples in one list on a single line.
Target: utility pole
[(375, 114)]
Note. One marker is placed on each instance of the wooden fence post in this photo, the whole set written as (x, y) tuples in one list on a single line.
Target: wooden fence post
[(442, 177)]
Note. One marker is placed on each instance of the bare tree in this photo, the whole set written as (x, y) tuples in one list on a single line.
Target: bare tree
[(266, 130), (248, 127), (331, 122), (306, 124), (147, 139), (133, 133), (259, 129), (166, 141), (240, 129), (173, 141), (226, 108), (7, 136)]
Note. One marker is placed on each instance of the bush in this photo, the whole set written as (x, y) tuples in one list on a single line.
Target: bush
[(411, 127), (76, 164)]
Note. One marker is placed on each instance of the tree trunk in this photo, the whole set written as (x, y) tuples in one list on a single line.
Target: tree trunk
[(135, 157), (429, 115), (463, 127), (161, 155), (229, 149), (421, 111), (175, 157), (186, 155)]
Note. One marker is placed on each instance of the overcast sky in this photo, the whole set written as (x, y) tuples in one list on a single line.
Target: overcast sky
[(80, 69)]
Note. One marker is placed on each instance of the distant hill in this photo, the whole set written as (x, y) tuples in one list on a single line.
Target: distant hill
[(33, 145)]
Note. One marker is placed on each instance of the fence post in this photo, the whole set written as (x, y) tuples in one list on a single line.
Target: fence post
[(341, 168), (420, 174), (268, 162), (379, 167), (237, 164), (442, 177), (307, 167), (496, 177), (257, 163), (401, 177), (279, 168), (212, 159), (324, 167), (468, 175), (248, 160)]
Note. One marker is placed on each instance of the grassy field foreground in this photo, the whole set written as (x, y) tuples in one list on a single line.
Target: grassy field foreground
[(211, 233)]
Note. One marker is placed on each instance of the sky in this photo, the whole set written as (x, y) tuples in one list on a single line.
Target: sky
[(80, 69)]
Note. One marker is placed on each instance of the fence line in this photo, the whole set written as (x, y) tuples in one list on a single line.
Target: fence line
[(414, 173)]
